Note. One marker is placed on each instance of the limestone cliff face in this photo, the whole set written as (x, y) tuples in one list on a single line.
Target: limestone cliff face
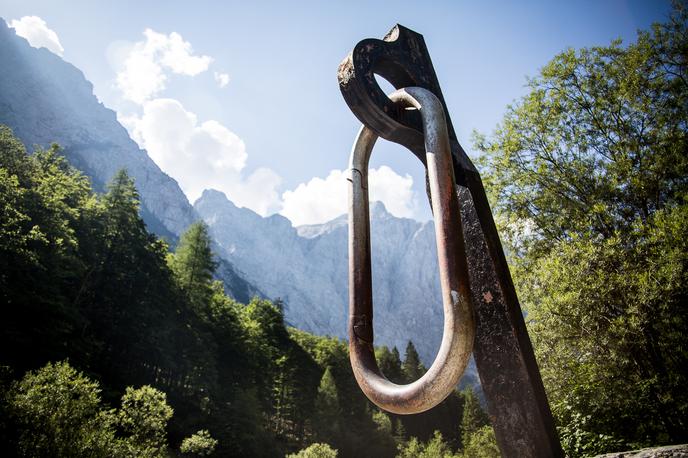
[(45, 99), (307, 268)]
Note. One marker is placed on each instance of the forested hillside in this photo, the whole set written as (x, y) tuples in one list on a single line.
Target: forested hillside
[(115, 346)]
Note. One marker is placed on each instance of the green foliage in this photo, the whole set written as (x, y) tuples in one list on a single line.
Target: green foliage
[(59, 412), (412, 369), (587, 174), (481, 444), (199, 444), (474, 417), (384, 424), (328, 413), (478, 443), (316, 450), (81, 278), (434, 448), (143, 416), (44, 203), (193, 265), (389, 364), (626, 301)]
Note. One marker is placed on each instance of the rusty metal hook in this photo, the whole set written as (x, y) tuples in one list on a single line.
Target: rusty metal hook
[(459, 323)]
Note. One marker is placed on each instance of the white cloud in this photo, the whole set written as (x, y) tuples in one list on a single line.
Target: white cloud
[(205, 155), (145, 69), (320, 200), (202, 155), (317, 201), (37, 33), (222, 79), (394, 190)]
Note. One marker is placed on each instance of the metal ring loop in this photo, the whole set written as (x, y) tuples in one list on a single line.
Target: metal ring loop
[(459, 324)]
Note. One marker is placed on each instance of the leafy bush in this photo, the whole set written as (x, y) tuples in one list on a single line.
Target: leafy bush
[(481, 444), (316, 450), (59, 412), (435, 448), (200, 444)]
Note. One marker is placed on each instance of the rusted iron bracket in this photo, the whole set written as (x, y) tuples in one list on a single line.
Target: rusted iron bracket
[(508, 372)]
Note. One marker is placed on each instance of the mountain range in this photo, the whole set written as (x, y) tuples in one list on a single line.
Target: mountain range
[(45, 99)]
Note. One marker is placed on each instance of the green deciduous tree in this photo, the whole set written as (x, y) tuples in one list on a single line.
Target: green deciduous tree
[(59, 412), (200, 443), (588, 175), (143, 416), (481, 444), (434, 448), (317, 450), (44, 203)]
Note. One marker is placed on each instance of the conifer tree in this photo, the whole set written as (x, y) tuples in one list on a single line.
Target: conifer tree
[(412, 367), (389, 364), (474, 417), (193, 265), (327, 409), (327, 401)]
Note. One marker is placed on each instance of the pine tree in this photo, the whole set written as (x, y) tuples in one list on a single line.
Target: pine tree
[(389, 364), (400, 434), (327, 409), (122, 204), (412, 367), (327, 394), (128, 295), (474, 417), (193, 265)]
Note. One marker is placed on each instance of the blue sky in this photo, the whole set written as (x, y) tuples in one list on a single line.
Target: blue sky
[(276, 137)]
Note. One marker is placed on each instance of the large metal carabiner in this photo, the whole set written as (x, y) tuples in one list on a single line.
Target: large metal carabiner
[(459, 324)]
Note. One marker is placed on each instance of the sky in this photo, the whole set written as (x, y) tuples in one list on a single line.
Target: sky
[(243, 97)]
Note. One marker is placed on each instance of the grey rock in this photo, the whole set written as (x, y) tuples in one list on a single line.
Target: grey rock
[(670, 451)]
